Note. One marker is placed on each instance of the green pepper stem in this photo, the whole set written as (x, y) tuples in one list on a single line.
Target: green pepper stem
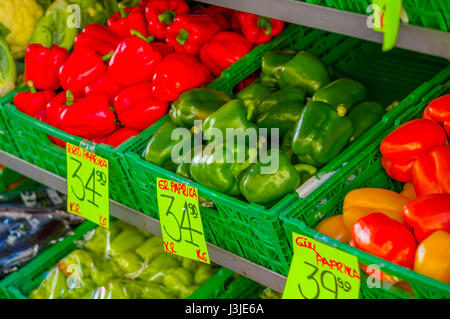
[(122, 11), (341, 110), (108, 56), (69, 97), (311, 170), (30, 85), (140, 35), (167, 17), (266, 24), (182, 37)]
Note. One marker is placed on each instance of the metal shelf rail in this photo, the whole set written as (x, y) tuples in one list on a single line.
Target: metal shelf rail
[(424, 40), (218, 255)]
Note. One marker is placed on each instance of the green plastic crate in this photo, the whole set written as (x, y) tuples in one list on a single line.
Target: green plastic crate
[(253, 231), (365, 170), (433, 14), (223, 285)]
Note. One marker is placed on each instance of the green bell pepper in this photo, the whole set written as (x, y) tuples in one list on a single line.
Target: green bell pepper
[(273, 61), (363, 117), (263, 188), (159, 147), (252, 95), (305, 69), (341, 94), (196, 104), (231, 115), (281, 109), (211, 168), (8, 72), (320, 134)]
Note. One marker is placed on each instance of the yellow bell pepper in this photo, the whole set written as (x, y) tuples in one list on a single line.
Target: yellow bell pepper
[(433, 256), (364, 201), (334, 227), (409, 191), (20, 18)]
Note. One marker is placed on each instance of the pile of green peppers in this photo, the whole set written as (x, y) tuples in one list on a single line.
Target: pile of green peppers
[(316, 109), (123, 263)]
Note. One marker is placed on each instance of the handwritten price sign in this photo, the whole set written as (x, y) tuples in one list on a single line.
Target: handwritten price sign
[(319, 271), (181, 223), (87, 185)]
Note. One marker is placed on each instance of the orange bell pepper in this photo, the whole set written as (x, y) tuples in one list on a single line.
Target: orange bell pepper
[(334, 227), (364, 201), (433, 257)]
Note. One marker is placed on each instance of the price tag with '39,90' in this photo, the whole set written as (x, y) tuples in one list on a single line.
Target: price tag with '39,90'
[(87, 185), (319, 271), (181, 223)]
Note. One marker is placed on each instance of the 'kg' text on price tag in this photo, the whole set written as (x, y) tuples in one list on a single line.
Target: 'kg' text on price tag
[(319, 271), (87, 185), (181, 223)]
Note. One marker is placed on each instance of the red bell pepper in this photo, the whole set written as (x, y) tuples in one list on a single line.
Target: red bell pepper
[(160, 14), (81, 69), (386, 238), (258, 29), (428, 214), (52, 113), (189, 32), (226, 12), (439, 110), (106, 85), (33, 102), (120, 136), (134, 60), (42, 65), (402, 146), (431, 172), (223, 50), (88, 116), (99, 38), (177, 73), (128, 19), (216, 14), (137, 108)]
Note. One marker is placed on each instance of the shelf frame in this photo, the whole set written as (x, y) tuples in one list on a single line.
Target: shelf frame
[(410, 37), (217, 255)]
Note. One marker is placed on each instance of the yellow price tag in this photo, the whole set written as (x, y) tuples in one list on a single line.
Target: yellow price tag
[(181, 223), (87, 185), (319, 271)]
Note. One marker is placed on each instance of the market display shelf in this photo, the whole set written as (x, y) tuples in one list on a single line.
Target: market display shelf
[(420, 39), (217, 255)]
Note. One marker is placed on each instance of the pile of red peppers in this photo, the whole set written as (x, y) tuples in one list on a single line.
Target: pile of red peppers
[(120, 78)]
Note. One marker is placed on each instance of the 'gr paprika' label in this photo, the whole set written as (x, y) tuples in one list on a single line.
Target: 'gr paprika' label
[(319, 271), (87, 185), (181, 223)]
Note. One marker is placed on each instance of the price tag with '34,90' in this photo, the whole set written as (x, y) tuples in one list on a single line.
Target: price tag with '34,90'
[(181, 223), (319, 271), (87, 185)]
